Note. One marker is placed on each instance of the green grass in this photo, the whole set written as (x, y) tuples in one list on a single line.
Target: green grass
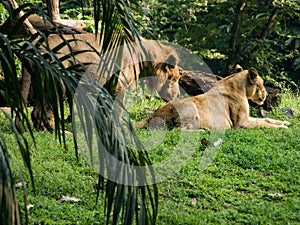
[(57, 172), (235, 188), (254, 177)]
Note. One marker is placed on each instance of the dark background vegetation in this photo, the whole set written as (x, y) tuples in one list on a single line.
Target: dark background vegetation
[(262, 34), (253, 33)]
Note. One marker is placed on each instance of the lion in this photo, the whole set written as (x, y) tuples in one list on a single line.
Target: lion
[(224, 106), (160, 65), (160, 61)]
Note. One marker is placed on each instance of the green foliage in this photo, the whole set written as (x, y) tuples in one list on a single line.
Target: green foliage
[(255, 171), (9, 209), (58, 172), (76, 10), (261, 34), (239, 186), (259, 162), (52, 82)]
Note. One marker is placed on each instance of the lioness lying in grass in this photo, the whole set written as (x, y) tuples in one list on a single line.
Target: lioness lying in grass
[(223, 107)]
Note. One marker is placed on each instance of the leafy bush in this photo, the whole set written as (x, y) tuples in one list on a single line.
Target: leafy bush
[(252, 33)]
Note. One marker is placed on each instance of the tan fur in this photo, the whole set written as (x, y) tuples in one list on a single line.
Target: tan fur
[(223, 107), (161, 62)]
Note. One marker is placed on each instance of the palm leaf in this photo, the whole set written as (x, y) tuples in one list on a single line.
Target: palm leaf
[(129, 193), (118, 28), (9, 211)]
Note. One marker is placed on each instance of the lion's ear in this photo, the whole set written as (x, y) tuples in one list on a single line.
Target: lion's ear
[(238, 68), (171, 62), (252, 75)]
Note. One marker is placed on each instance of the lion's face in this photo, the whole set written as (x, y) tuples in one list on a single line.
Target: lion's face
[(167, 82), (170, 88), (256, 91), (163, 71)]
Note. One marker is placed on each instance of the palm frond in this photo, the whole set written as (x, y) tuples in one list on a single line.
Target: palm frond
[(131, 193), (9, 209), (117, 29)]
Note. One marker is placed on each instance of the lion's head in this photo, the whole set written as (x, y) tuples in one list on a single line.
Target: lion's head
[(165, 74), (255, 89), (168, 73)]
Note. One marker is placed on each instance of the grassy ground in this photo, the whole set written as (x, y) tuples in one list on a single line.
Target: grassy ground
[(253, 177)]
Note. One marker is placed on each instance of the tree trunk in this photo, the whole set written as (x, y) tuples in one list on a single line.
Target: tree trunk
[(266, 30), (233, 46), (13, 5), (270, 23), (53, 10), (25, 84), (66, 26), (25, 88)]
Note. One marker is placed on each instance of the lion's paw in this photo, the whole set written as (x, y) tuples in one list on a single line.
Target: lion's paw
[(287, 123)]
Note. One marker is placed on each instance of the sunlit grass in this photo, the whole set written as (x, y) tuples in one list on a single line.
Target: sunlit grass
[(252, 178)]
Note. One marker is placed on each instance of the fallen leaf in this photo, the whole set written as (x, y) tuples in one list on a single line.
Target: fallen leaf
[(275, 195), (194, 201), (208, 143), (67, 132), (65, 198), (30, 206), (21, 184), (218, 142)]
